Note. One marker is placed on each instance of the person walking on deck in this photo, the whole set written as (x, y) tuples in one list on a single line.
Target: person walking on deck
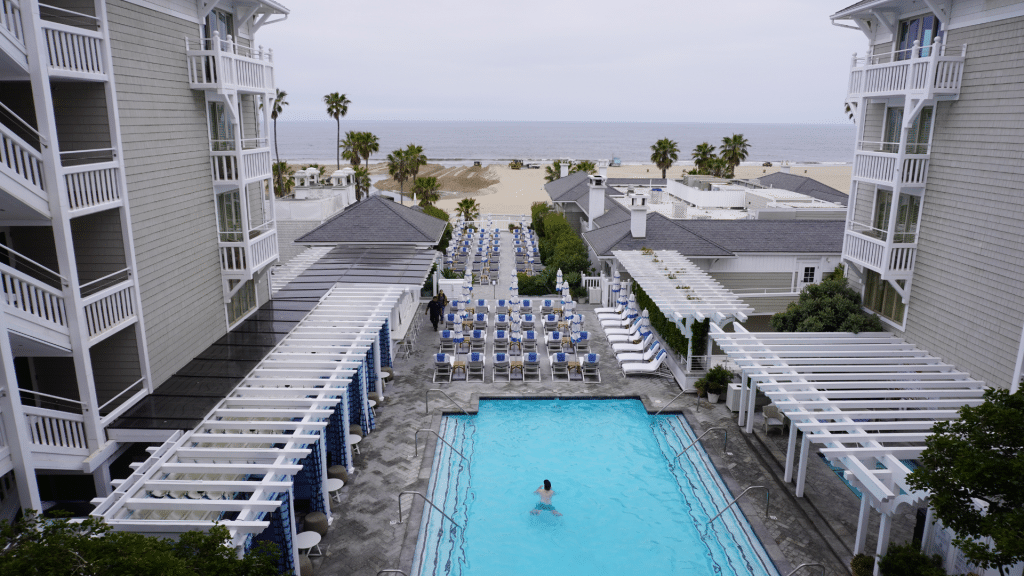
[(434, 311)]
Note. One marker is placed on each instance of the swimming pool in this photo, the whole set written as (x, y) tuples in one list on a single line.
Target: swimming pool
[(628, 509)]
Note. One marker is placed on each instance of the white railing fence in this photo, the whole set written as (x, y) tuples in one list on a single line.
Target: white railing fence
[(212, 61), (867, 250), (10, 22), (56, 431), (264, 249), (257, 164), (92, 185), (918, 68), (33, 299), (109, 309), (72, 49), (22, 163)]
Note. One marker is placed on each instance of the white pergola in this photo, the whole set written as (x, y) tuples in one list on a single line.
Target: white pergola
[(682, 291), (240, 463), (868, 399)]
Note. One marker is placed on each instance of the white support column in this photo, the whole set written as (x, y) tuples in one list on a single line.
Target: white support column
[(801, 475), (291, 521), (324, 494), (884, 524), (790, 453), (346, 415), (926, 537), (379, 385), (15, 427), (101, 480), (862, 525), (751, 397), (741, 418)]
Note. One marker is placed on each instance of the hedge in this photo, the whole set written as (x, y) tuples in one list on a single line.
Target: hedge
[(436, 212), (671, 336)]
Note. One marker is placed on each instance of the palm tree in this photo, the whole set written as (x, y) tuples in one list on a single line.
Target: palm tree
[(719, 168), (553, 172), (663, 153), (468, 208), (733, 150), (702, 154), (349, 148), (427, 189), (584, 166), (362, 182), (283, 178), (398, 168), (416, 159), (337, 107), (277, 108), (367, 144)]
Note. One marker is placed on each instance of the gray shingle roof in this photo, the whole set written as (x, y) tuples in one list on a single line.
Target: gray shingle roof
[(771, 235), (569, 188), (377, 220), (804, 185), (662, 234), (710, 238)]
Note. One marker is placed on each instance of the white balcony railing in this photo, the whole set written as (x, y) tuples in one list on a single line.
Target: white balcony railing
[(257, 164), (246, 258), (56, 432), (32, 299), (109, 309), (72, 50), (881, 168), (215, 64), (23, 165), (908, 71), (10, 23), (92, 186), (230, 167), (890, 261)]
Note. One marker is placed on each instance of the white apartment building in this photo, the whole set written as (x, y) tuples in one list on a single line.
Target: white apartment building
[(136, 214), (933, 236)]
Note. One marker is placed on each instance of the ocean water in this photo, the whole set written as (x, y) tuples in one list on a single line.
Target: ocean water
[(457, 142)]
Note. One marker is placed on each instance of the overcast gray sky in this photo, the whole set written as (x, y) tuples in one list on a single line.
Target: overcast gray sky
[(594, 60)]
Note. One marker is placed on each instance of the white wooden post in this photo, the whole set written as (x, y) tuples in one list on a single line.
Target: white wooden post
[(862, 525), (884, 524), (790, 452), (801, 475)]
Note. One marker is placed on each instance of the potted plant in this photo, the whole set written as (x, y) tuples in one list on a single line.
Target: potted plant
[(714, 383)]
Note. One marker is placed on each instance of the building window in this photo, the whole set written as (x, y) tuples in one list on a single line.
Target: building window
[(923, 30), (229, 216), (907, 214), (917, 136), (808, 274), (243, 302), (881, 297)]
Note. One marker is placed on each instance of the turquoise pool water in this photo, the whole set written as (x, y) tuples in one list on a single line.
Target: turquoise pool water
[(627, 507)]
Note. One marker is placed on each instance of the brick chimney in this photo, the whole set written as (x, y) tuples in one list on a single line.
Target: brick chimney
[(595, 206), (638, 214)]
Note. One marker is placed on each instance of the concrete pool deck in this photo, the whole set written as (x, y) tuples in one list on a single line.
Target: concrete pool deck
[(364, 538)]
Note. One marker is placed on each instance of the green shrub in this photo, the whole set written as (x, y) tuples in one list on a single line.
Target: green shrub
[(699, 337), (715, 381), (829, 306), (538, 210), (908, 560), (436, 212), (561, 248), (450, 274), (862, 565), (672, 338)]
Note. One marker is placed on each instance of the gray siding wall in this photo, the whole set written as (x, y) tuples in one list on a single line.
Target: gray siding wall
[(769, 305), (966, 304), (166, 152), (754, 280), (99, 245), (874, 121), (863, 208), (258, 215), (115, 364), (80, 112)]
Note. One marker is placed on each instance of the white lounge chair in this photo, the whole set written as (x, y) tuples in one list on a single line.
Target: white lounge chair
[(478, 341), (526, 307), (655, 367), (634, 337), (501, 367), (501, 321), (443, 367), (531, 367), (530, 341), (583, 344), (631, 347), (553, 342), (646, 356), (550, 322), (501, 341), (447, 344), (618, 322), (589, 366), (480, 322), (617, 309), (475, 367), (559, 367), (620, 331)]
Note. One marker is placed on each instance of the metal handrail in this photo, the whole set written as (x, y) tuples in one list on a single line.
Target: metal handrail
[(24, 124), (671, 401), (122, 393), (805, 564), (767, 494), (724, 444), (425, 499), (88, 287), (41, 267), (426, 400), (416, 442)]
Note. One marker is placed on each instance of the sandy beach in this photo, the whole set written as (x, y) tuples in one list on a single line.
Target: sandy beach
[(500, 190)]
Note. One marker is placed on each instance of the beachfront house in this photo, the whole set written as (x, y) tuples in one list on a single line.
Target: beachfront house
[(138, 224), (312, 202)]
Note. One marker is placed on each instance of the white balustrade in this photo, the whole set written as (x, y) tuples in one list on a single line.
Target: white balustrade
[(232, 256), (55, 431), (225, 166), (29, 298), (864, 249), (905, 71), (876, 166), (901, 258), (22, 163), (10, 22), (257, 164), (109, 309), (92, 185), (72, 49), (264, 249), (216, 64), (915, 170)]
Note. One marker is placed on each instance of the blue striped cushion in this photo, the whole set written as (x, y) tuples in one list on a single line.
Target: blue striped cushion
[(531, 357), (440, 357), (500, 357), (560, 357), (592, 358)]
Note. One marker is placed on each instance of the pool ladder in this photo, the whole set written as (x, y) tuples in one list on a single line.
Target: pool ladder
[(767, 503), (724, 444), (425, 499), (416, 442), (426, 400)]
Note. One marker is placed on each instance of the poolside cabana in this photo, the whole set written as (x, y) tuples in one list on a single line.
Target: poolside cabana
[(269, 441), (869, 399), (684, 293)]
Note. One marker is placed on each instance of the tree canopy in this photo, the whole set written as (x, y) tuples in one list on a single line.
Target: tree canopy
[(337, 108), (974, 469), (32, 546), (426, 187), (468, 208), (276, 109), (829, 306), (663, 153), (733, 150)]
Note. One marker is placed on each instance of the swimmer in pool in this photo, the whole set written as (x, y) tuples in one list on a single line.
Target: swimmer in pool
[(545, 492)]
